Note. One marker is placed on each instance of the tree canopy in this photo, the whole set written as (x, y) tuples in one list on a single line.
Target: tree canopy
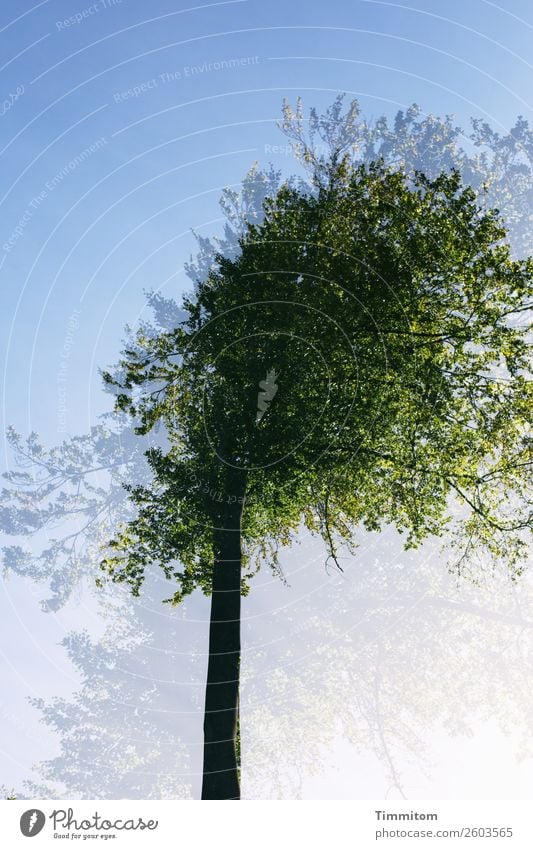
[(361, 361)]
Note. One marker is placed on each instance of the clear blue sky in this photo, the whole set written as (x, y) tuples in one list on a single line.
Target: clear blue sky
[(119, 125)]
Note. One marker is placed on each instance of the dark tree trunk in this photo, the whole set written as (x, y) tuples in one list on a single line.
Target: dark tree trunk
[(221, 719)]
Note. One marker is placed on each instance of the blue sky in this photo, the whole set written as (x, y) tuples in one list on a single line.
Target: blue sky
[(120, 124)]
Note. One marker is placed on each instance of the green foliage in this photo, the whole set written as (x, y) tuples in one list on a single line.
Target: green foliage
[(387, 312)]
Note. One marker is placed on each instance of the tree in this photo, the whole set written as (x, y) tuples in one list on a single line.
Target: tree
[(358, 363), (74, 492)]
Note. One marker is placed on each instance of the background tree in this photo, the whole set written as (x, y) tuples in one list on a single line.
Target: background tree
[(110, 744), (393, 655), (375, 314)]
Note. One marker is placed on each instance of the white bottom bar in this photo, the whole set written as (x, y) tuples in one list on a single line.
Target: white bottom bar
[(268, 825)]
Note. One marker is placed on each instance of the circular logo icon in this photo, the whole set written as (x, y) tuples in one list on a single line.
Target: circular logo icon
[(32, 822)]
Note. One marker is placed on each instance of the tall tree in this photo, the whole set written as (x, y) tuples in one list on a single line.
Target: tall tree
[(359, 362), (76, 489)]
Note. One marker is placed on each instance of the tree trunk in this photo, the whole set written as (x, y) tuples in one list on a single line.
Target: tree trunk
[(221, 718)]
